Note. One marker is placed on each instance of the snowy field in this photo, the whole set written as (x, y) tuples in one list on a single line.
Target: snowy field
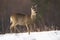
[(46, 35)]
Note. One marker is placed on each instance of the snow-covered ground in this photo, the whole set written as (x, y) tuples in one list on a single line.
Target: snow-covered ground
[(46, 35)]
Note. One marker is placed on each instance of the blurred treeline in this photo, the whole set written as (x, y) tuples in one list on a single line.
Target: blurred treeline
[(48, 15)]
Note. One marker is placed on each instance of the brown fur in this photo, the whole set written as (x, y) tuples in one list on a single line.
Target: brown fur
[(22, 19)]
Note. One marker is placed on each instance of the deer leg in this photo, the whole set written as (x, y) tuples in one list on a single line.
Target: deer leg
[(14, 29), (11, 28), (28, 29), (17, 29)]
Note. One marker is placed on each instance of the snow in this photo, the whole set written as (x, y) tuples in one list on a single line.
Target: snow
[(45, 35)]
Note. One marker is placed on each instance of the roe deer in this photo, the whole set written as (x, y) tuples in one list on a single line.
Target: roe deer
[(21, 19)]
